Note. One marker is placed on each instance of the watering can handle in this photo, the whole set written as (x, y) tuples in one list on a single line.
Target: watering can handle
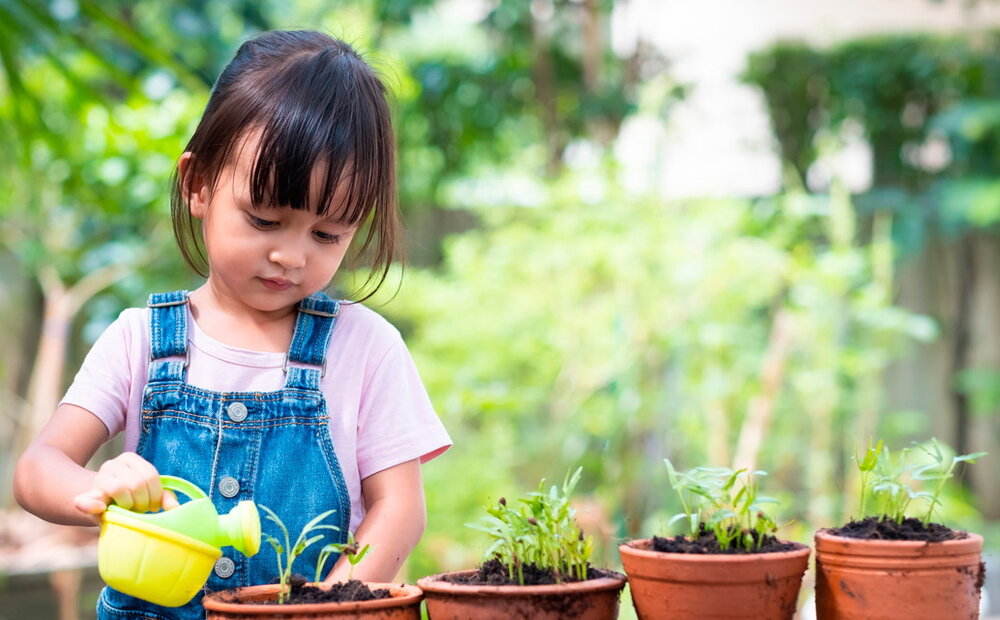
[(180, 484)]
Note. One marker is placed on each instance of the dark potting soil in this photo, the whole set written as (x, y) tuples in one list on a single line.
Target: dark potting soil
[(493, 573), (706, 543), (340, 592), (874, 528)]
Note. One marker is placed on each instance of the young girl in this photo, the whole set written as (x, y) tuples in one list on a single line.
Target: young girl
[(255, 385)]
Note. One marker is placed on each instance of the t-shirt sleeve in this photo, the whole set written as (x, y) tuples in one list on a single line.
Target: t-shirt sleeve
[(104, 382), (396, 421)]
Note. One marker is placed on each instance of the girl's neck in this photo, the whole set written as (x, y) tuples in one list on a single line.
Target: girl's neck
[(226, 320)]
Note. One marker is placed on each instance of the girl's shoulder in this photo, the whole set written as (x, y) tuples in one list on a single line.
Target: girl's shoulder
[(132, 322), (134, 316), (358, 328), (360, 318)]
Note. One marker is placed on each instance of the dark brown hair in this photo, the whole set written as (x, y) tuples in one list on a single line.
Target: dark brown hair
[(315, 102)]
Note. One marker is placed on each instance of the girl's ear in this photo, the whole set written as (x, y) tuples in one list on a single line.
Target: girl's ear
[(193, 187)]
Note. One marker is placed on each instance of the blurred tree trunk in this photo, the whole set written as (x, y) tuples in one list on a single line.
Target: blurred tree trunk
[(603, 127), (62, 303), (758, 418), (954, 281), (982, 423), (545, 80), (593, 46), (965, 283)]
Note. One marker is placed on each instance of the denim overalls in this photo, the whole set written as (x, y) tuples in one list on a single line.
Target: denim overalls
[(271, 447)]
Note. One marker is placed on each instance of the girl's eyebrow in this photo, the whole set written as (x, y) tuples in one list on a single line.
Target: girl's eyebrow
[(336, 220), (336, 215)]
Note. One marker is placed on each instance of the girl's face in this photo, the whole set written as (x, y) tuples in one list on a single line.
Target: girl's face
[(265, 260)]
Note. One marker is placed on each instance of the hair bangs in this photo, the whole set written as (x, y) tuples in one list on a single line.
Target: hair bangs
[(316, 135)]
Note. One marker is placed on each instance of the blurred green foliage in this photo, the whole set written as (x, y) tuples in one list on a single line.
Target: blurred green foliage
[(579, 323), (611, 333), (929, 107)]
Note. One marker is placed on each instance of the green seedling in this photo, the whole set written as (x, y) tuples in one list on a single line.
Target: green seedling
[(890, 490), (287, 552), (865, 467), (539, 529), (940, 471), (348, 549), (726, 502), (890, 480)]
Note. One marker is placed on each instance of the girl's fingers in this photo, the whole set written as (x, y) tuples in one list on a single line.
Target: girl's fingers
[(119, 490), (146, 489), (126, 486), (158, 496), (140, 496), (133, 483), (93, 502), (156, 492), (169, 501)]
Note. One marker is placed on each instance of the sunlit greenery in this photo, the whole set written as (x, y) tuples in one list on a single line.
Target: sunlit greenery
[(559, 314)]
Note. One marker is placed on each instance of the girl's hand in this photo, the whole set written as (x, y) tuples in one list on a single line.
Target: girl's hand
[(129, 481)]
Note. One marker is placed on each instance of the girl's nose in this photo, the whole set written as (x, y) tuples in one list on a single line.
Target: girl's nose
[(288, 257)]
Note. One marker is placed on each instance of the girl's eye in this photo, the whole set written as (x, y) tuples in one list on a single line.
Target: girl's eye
[(324, 237), (259, 223)]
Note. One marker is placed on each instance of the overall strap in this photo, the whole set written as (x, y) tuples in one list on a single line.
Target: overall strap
[(168, 335), (313, 326)]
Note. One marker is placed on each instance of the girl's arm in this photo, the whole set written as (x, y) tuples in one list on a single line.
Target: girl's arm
[(51, 479), (394, 521)]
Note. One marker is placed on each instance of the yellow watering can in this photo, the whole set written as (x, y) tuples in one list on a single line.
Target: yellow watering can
[(165, 557)]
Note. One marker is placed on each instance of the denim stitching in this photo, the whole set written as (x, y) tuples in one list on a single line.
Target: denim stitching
[(301, 328), (300, 421), (181, 312), (164, 387), (312, 378), (160, 344), (312, 333), (156, 346), (324, 327), (215, 457)]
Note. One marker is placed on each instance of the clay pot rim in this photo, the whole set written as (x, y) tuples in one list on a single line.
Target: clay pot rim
[(437, 585), (824, 536), (630, 547), (401, 594)]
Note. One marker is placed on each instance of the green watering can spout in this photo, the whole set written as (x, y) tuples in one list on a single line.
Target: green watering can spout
[(241, 528)]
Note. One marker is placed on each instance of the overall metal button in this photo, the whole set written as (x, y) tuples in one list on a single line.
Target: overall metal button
[(237, 412), (229, 486), (225, 567)]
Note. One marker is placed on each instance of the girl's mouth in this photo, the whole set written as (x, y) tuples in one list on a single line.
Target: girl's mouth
[(277, 284)]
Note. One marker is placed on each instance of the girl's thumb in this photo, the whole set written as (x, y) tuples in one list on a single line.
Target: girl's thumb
[(169, 500), (92, 502)]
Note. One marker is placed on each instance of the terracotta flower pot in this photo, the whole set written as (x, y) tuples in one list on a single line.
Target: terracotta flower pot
[(687, 586), (593, 599), (897, 579), (239, 603)]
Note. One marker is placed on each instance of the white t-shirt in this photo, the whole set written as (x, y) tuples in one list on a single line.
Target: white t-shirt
[(380, 414)]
